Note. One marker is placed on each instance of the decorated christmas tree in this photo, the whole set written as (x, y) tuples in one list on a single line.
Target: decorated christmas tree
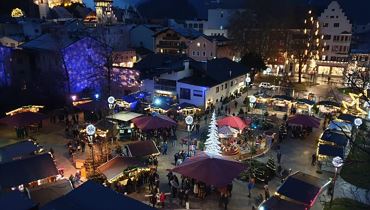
[(212, 144)]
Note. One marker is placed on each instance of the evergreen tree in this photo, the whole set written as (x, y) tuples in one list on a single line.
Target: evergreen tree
[(212, 144)]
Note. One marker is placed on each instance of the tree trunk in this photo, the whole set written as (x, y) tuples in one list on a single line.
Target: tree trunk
[(300, 72)]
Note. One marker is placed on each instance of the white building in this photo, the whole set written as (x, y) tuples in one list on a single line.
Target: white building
[(336, 30), (218, 21), (160, 72), (220, 78), (195, 24)]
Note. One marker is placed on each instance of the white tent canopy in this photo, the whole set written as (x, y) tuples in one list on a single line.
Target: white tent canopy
[(124, 116)]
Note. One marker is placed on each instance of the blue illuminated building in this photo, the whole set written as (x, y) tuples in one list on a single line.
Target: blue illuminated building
[(85, 61), (5, 55)]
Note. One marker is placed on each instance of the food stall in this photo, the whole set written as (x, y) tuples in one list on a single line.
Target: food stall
[(281, 103), (125, 124), (187, 109), (304, 106), (120, 169)]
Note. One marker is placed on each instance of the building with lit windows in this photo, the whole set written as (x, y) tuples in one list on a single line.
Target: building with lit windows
[(336, 31), (104, 12), (212, 82)]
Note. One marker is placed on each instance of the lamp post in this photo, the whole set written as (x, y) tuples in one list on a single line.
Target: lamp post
[(91, 130), (189, 122), (337, 163), (252, 101), (247, 82), (111, 105)]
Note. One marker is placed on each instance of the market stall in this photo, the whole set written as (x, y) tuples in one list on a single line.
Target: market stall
[(328, 107), (187, 109), (263, 100), (142, 149), (281, 103), (125, 124), (303, 106), (121, 168)]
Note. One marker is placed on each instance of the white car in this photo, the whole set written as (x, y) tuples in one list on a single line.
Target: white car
[(265, 85)]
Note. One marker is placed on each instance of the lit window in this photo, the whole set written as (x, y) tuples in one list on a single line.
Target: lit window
[(198, 44)]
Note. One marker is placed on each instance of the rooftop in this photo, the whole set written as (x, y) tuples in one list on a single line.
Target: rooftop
[(94, 196), (18, 150), (27, 170), (15, 200), (156, 64), (215, 72)]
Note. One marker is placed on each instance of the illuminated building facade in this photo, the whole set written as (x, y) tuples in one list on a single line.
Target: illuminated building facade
[(5, 56), (336, 31), (104, 12)]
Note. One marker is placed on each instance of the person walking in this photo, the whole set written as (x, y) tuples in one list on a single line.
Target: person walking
[(250, 186), (267, 192), (278, 155), (197, 127), (225, 200), (313, 160)]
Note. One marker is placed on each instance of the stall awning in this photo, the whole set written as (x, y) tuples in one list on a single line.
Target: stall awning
[(340, 126), (124, 116), (337, 138), (18, 150), (114, 168), (186, 106), (48, 192), (104, 125), (277, 203), (27, 170), (306, 101), (309, 187), (283, 97), (331, 151), (142, 149), (94, 196), (328, 103), (347, 117)]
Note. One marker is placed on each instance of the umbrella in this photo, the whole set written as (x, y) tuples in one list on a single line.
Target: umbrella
[(226, 131), (210, 169), (304, 120), (328, 103), (153, 122), (232, 121), (23, 119)]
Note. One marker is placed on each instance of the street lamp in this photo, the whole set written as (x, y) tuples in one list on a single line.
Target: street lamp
[(337, 163), (252, 101), (90, 131), (111, 105), (247, 82), (189, 122)]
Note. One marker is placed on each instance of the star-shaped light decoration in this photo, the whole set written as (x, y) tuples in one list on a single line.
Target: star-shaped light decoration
[(354, 103)]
